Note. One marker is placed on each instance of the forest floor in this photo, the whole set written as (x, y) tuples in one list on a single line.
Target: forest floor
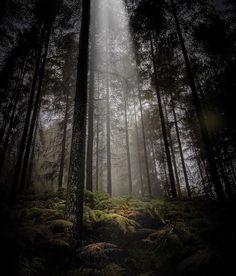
[(124, 236)]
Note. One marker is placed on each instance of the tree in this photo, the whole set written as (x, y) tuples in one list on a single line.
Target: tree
[(77, 159)]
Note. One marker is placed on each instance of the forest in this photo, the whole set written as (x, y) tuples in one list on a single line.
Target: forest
[(117, 137)]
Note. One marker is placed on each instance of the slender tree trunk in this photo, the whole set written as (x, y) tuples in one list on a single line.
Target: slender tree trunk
[(173, 154), (196, 101), (31, 163), (8, 129), (34, 115), (144, 142), (63, 143), (97, 154), (89, 167), (108, 123), (75, 189), (13, 102), (138, 149), (163, 126), (127, 141), (180, 148), (27, 123)]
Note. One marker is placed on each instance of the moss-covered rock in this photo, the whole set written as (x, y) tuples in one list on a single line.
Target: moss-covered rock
[(60, 225), (98, 254), (55, 250), (203, 262)]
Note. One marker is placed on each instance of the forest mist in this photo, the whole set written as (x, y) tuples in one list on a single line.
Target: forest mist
[(117, 137)]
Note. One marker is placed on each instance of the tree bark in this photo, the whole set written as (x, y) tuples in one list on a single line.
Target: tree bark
[(63, 143), (34, 115), (127, 141), (144, 142), (180, 148), (163, 126), (75, 197), (199, 111), (138, 149), (89, 167), (21, 151)]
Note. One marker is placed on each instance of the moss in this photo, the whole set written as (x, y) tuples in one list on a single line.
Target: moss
[(43, 214), (60, 225), (125, 225), (111, 269), (98, 254), (55, 250), (34, 233), (203, 262)]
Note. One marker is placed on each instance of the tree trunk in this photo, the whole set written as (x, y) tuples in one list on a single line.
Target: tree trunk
[(144, 142), (89, 167), (163, 126), (180, 148), (196, 101), (173, 154), (108, 123), (138, 149), (75, 189), (18, 165), (34, 115), (63, 143), (5, 142), (127, 141)]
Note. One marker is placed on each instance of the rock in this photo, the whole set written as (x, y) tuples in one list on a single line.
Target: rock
[(55, 250), (98, 253), (204, 262), (60, 225)]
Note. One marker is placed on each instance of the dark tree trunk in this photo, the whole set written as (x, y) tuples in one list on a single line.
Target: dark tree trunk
[(138, 149), (108, 119), (97, 154), (173, 154), (10, 121), (180, 148), (21, 151), (196, 101), (29, 181), (75, 197), (63, 143), (89, 168), (34, 115), (127, 141), (163, 126), (144, 143)]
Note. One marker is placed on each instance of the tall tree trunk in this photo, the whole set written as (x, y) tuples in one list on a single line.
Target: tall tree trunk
[(31, 162), (21, 151), (163, 126), (75, 189), (199, 111), (144, 142), (97, 153), (127, 140), (173, 154), (108, 122), (180, 148), (98, 138), (10, 121), (138, 148), (63, 142), (89, 167), (35, 114)]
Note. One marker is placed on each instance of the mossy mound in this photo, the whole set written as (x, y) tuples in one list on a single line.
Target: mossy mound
[(60, 225)]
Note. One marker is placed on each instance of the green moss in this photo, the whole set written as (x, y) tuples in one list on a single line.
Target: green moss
[(60, 225), (43, 214), (123, 224)]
